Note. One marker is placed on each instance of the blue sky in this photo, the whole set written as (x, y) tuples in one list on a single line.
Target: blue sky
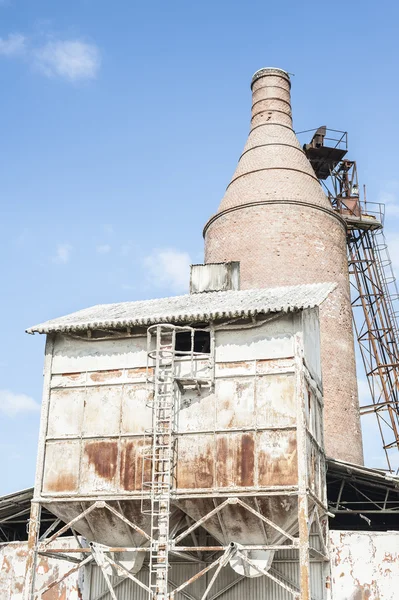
[(121, 124)]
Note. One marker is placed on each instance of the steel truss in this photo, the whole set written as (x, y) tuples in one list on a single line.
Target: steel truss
[(377, 334), (311, 515), (375, 294), (374, 298)]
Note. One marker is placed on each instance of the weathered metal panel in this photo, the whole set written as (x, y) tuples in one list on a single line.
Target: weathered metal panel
[(12, 573), (275, 400), (365, 565), (215, 277), (277, 460), (311, 341), (274, 340), (61, 467), (102, 411), (66, 412), (234, 460), (72, 355), (99, 466), (235, 402), (136, 414)]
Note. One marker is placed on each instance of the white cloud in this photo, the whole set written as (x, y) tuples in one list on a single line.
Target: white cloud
[(12, 404), (13, 45), (63, 254), (103, 249), (70, 59), (168, 268), (73, 60)]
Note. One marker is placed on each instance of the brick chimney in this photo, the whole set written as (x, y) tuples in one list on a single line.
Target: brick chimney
[(277, 222)]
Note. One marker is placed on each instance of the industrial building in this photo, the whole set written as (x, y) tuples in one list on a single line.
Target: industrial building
[(209, 445)]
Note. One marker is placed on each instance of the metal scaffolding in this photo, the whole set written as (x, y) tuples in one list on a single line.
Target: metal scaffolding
[(374, 291)]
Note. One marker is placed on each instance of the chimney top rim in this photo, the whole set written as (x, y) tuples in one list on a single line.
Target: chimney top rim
[(270, 71)]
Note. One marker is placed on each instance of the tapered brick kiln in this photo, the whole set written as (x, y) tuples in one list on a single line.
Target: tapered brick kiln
[(277, 222)]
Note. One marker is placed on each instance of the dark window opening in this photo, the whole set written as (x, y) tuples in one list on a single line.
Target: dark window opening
[(202, 342)]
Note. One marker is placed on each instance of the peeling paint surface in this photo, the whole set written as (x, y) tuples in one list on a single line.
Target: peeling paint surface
[(12, 573), (365, 565)]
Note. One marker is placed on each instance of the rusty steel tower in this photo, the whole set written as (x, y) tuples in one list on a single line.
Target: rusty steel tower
[(374, 290), (277, 221)]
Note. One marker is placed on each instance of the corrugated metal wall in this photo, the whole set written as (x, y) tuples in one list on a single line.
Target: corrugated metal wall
[(285, 566)]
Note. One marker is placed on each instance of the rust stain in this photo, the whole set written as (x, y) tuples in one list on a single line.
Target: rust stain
[(234, 365), (55, 593), (388, 557), (139, 372), (71, 375), (277, 466), (43, 564), (103, 457), (6, 565), (247, 460), (131, 465), (64, 482), (128, 466), (235, 460), (100, 376), (222, 463), (195, 464), (264, 365)]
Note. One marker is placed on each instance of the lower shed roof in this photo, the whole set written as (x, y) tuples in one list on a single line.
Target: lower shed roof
[(204, 306)]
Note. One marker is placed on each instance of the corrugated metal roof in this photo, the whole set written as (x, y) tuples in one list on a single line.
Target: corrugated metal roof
[(195, 307)]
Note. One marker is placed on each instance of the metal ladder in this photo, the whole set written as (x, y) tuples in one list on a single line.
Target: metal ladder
[(161, 457)]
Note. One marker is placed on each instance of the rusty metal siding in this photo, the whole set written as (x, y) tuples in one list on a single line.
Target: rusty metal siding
[(365, 565), (12, 573), (245, 429)]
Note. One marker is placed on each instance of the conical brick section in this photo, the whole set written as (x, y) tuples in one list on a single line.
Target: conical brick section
[(277, 222), (273, 165)]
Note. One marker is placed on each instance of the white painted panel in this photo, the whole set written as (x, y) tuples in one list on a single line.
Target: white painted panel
[(197, 413), (235, 402), (102, 411), (72, 355), (61, 466), (136, 415), (66, 412), (365, 565), (275, 400), (272, 340)]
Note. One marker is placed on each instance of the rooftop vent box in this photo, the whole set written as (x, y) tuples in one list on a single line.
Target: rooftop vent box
[(215, 277)]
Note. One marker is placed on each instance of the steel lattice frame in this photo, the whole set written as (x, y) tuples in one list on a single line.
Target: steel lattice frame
[(374, 294), (375, 326)]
